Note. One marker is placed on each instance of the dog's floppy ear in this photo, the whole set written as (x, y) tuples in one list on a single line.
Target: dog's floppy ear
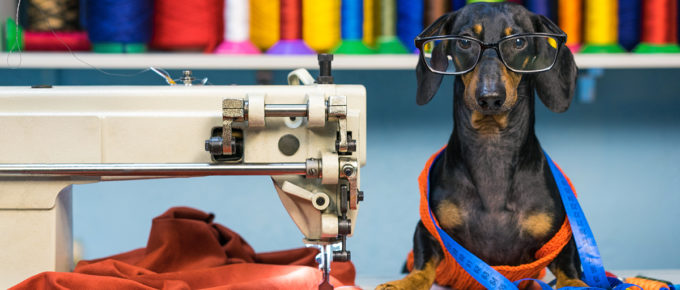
[(428, 82), (555, 87)]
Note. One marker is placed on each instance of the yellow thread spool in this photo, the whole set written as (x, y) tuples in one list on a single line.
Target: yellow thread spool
[(601, 21), (601, 27), (369, 23), (570, 20), (264, 23), (321, 24)]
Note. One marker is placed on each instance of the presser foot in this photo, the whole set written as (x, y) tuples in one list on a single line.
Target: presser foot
[(324, 259)]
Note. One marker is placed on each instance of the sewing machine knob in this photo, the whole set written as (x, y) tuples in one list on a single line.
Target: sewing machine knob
[(320, 201), (342, 256), (351, 146), (360, 195), (344, 226), (289, 144), (214, 145), (325, 76), (348, 170)]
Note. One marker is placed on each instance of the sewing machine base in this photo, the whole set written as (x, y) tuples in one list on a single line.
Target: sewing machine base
[(36, 240)]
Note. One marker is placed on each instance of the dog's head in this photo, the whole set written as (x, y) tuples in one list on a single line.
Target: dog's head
[(509, 45)]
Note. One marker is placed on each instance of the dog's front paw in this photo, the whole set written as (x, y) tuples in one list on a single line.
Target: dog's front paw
[(387, 286), (410, 282), (570, 283)]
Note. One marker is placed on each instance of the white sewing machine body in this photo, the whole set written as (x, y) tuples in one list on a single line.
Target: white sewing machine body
[(58, 136)]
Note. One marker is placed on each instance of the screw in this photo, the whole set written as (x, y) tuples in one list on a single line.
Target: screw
[(187, 78), (320, 201), (348, 170), (312, 172), (214, 145)]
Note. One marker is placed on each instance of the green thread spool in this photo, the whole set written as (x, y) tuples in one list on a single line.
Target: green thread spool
[(14, 36), (119, 47), (388, 42)]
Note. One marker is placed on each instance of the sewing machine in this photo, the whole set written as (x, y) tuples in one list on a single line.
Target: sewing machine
[(308, 136)]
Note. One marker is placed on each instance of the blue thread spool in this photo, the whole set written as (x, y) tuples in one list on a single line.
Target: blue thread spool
[(547, 8), (410, 22), (352, 28), (119, 26), (629, 23), (457, 4)]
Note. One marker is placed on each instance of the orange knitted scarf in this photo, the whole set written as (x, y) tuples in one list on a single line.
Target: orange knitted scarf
[(450, 273)]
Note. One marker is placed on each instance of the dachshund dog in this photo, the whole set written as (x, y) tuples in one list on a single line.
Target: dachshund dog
[(492, 189)]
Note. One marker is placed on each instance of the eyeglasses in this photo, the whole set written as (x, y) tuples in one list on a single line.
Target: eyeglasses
[(521, 53)]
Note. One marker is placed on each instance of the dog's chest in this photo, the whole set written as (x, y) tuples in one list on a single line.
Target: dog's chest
[(502, 222)]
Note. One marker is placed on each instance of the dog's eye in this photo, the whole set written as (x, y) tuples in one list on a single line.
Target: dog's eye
[(520, 43), (464, 43)]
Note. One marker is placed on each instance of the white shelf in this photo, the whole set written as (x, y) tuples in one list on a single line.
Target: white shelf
[(36, 60)]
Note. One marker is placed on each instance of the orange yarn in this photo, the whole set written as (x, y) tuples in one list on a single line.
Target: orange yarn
[(647, 284), (450, 273)]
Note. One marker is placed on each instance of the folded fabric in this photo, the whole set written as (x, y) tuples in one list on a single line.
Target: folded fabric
[(186, 250)]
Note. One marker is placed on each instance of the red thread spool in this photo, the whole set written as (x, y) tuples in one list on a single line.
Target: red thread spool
[(290, 41), (660, 21), (188, 25), (291, 19), (56, 41)]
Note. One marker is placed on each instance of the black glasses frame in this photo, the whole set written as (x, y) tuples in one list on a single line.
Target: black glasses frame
[(420, 41)]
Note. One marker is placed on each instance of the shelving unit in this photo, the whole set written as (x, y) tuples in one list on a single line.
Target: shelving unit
[(37, 60)]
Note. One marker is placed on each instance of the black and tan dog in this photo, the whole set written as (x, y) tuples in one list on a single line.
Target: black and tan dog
[(492, 189)]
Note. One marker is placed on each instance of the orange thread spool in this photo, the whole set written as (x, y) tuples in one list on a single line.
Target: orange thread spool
[(570, 20)]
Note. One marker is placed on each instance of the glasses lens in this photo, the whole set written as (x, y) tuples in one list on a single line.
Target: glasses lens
[(529, 53), (450, 55)]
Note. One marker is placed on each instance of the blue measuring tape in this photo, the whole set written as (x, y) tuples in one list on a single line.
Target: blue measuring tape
[(593, 274)]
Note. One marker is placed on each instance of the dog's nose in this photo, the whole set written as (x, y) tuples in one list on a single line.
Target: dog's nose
[(491, 101)]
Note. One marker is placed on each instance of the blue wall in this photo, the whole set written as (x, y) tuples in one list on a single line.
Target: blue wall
[(621, 153)]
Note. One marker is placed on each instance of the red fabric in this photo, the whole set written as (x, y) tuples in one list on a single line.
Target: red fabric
[(186, 250), (450, 273)]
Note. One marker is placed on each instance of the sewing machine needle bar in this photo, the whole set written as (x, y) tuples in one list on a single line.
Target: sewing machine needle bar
[(281, 110), (160, 169)]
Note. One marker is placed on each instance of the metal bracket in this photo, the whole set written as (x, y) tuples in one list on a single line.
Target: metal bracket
[(236, 110), (337, 110), (348, 170), (233, 110)]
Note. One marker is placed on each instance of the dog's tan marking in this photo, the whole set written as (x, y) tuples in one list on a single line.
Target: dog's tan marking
[(537, 225), (417, 279), (489, 124), (564, 281), (456, 61), (526, 61), (449, 215), (477, 28), (507, 31), (470, 82)]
